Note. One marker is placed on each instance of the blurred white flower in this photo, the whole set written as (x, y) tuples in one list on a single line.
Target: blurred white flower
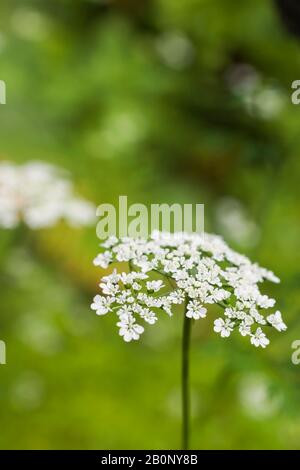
[(200, 271), (120, 130), (79, 212), (242, 79), (30, 24), (27, 392), (39, 334), (265, 100), (234, 222), (39, 195), (255, 396), (175, 49)]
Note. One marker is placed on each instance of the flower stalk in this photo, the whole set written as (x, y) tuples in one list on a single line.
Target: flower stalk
[(185, 381)]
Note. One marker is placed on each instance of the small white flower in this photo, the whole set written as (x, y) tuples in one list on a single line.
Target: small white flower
[(264, 301), (109, 288), (146, 314), (223, 327), (195, 310), (166, 305), (110, 242), (257, 316), (154, 286), (230, 312), (259, 339), (244, 329), (112, 278), (176, 297), (129, 329), (276, 321), (136, 286), (125, 310), (270, 276), (101, 305), (103, 260), (245, 291)]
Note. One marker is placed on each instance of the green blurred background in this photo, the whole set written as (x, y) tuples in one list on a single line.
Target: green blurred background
[(164, 101)]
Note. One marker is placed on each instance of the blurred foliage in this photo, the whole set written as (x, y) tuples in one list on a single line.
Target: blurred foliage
[(164, 101)]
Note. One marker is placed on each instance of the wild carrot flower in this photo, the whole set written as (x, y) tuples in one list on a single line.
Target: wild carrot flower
[(195, 270), (39, 195)]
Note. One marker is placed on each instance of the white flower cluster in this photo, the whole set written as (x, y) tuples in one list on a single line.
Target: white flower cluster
[(39, 195), (201, 270)]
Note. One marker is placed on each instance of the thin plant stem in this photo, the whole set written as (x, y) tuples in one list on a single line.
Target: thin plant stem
[(185, 381)]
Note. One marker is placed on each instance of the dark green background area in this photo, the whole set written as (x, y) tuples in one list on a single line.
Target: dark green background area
[(164, 101)]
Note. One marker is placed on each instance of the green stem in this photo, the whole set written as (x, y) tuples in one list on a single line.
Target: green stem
[(185, 392)]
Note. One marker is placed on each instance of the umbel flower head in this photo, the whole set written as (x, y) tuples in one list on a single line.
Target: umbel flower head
[(40, 195), (201, 270)]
